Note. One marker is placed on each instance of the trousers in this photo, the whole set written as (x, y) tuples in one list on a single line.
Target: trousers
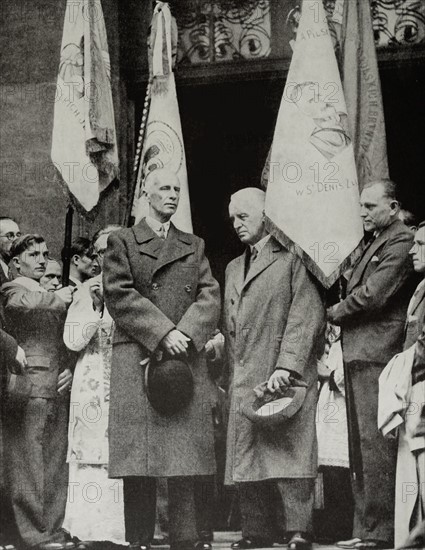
[(140, 510), (36, 435), (258, 504), (373, 458)]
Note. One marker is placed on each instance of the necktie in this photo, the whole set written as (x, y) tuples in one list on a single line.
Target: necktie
[(251, 256), (161, 232)]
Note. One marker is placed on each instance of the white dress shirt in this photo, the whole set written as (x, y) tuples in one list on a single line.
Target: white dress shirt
[(161, 229)]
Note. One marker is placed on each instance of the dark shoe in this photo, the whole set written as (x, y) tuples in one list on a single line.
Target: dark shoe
[(160, 541), (359, 544), (248, 544), (283, 539), (138, 546), (373, 544), (350, 543), (55, 546), (206, 535), (202, 545), (300, 541)]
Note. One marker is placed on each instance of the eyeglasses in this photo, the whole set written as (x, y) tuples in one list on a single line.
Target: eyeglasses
[(11, 236)]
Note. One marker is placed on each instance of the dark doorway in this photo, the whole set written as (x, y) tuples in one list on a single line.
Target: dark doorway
[(228, 129)]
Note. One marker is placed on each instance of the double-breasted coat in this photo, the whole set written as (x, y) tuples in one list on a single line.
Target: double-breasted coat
[(274, 318), (152, 286)]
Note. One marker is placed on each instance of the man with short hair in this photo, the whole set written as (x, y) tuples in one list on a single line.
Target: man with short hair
[(274, 321), (9, 232), (411, 450), (52, 278), (372, 317), (81, 265), (163, 298), (36, 429)]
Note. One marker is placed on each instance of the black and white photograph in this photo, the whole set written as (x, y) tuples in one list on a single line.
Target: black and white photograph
[(212, 274)]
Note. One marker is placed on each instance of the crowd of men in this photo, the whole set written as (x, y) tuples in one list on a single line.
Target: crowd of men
[(269, 324)]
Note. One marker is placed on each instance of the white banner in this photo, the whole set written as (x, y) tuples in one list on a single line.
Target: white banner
[(312, 200), (84, 147), (163, 145)]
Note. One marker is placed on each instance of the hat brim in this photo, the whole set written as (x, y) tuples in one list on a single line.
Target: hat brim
[(270, 412)]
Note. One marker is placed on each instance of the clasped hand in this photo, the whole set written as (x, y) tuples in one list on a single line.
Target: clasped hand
[(175, 343)]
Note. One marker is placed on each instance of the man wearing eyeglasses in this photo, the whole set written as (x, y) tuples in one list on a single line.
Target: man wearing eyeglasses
[(9, 232)]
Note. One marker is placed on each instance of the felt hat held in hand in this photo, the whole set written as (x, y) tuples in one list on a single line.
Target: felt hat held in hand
[(169, 385), (268, 408)]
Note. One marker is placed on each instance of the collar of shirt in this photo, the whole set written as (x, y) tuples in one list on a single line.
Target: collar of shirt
[(5, 268), (155, 225), (74, 282), (260, 245), (29, 284)]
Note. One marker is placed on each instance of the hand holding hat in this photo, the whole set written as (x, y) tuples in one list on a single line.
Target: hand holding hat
[(268, 408)]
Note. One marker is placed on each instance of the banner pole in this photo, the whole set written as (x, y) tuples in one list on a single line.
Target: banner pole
[(138, 157), (67, 245)]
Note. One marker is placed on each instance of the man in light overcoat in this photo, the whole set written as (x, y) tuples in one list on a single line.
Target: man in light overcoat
[(274, 323), (162, 296)]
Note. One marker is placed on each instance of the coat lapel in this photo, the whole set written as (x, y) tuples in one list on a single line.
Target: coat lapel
[(418, 299), (148, 240), (264, 260), (366, 257), (177, 245), (238, 279)]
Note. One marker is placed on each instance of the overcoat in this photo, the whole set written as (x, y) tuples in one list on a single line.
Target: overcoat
[(274, 318), (152, 286)]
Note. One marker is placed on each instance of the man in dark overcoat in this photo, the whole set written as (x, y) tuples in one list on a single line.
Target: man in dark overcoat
[(274, 322), (372, 317), (162, 296)]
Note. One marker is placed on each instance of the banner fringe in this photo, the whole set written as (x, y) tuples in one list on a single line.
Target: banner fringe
[(90, 216), (309, 263)]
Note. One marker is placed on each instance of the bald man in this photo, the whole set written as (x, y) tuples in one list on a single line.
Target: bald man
[(274, 331), (162, 296)]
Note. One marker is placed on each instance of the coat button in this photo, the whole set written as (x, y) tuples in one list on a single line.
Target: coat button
[(188, 288), (232, 301), (155, 286), (232, 333)]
